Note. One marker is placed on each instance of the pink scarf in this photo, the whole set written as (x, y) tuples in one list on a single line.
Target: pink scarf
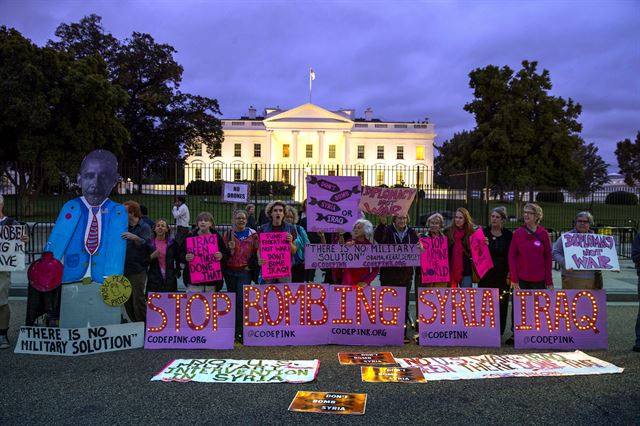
[(458, 250)]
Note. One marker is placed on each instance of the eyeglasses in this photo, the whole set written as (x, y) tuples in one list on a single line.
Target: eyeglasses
[(582, 221)]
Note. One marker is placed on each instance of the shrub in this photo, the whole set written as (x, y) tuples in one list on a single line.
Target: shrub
[(550, 197), (203, 187), (622, 198)]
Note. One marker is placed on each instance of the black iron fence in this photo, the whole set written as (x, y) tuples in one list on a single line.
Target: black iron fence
[(156, 188)]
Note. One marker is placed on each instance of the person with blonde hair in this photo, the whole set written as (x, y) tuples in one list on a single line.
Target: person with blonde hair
[(458, 234), (164, 260)]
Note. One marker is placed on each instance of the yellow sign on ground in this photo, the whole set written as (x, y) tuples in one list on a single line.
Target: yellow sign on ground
[(329, 402), (392, 374), (349, 358)]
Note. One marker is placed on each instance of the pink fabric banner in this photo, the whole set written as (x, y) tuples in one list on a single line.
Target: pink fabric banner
[(204, 267), (480, 252), (386, 201), (434, 260), (333, 202), (276, 250)]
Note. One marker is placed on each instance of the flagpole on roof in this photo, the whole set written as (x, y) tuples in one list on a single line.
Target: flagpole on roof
[(312, 76)]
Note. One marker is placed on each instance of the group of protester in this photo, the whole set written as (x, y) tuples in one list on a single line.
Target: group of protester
[(521, 259), (156, 258)]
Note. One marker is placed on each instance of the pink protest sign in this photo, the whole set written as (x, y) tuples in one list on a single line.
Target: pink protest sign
[(190, 321), (204, 267), (276, 251), (458, 317), (560, 319), (434, 260), (333, 202), (386, 201), (480, 252)]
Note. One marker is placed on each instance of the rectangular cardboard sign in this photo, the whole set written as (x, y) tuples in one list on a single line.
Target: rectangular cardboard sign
[(434, 260), (190, 321), (355, 358), (510, 365), (332, 202), (204, 267), (11, 248), (382, 201), (361, 255), (590, 252), (235, 192), (79, 341), (320, 314), (560, 319), (392, 375), (329, 402), (276, 250), (239, 371), (458, 317)]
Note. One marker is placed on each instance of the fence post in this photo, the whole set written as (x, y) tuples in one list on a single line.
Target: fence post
[(486, 196)]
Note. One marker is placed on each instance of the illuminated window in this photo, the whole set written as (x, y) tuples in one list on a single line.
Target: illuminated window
[(257, 173), (332, 172), (332, 151), (197, 171), (419, 152), (380, 152), (217, 173), (285, 150), (286, 178), (309, 150), (379, 177), (400, 153), (257, 150), (237, 150), (198, 151), (237, 173), (400, 177), (360, 152)]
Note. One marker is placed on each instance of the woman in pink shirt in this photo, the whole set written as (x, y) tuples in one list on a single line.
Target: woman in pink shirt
[(530, 253), (164, 268)]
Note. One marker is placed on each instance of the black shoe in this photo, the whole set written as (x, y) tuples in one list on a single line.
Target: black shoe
[(509, 341), (636, 348)]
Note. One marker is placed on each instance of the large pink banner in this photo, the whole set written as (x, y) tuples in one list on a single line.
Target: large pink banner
[(204, 267), (190, 321), (434, 260), (386, 201), (276, 251), (333, 202), (480, 252)]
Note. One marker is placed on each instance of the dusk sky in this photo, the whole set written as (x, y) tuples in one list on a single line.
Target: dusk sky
[(405, 59)]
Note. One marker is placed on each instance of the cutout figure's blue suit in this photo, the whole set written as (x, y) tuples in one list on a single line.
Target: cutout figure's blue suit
[(68, 245)]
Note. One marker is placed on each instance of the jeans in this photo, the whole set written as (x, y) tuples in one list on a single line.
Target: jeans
[(235, 280), (466, 282)]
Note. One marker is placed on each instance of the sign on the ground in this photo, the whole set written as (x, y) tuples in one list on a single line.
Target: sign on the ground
[(329, 402)]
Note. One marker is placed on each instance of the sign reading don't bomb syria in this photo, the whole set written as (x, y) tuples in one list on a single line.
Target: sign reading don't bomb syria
[(333, 202)]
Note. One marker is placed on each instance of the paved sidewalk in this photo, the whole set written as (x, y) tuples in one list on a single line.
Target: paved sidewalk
[(620, 286)]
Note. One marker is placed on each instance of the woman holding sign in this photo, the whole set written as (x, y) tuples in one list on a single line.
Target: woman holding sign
[(205, 227), (571, 278), (358, 277), (243, 246), (458, 235), (298, 273), (164, 260), (499, 240)]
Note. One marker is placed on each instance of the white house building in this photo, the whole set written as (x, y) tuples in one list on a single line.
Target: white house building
[(286, 145)]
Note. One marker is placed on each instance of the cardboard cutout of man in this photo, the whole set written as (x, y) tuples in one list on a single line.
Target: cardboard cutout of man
[(87, 239)]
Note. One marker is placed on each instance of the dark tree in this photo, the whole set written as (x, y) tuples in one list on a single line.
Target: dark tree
[(628, 155)]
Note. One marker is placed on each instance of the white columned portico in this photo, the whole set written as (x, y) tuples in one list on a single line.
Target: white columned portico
[(347, 147), (294, 146), (320, 146), (268, 154)]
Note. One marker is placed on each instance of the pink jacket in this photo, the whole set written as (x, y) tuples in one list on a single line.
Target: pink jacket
[(530, 257), (352, 276)]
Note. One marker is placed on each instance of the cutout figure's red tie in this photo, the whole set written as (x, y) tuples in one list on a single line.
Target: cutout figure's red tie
[(92, 237)]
